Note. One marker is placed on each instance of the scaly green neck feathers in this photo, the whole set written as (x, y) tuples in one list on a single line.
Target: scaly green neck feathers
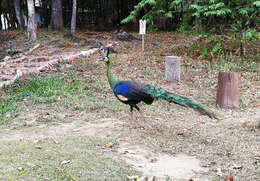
[(112, 81)]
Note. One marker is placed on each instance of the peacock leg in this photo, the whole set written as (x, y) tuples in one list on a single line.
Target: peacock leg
[(142, 116), (132, 118), (131, 112), (139, 110)]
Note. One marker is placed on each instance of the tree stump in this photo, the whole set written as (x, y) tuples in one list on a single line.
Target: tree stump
[(228, 93), (172, 68)]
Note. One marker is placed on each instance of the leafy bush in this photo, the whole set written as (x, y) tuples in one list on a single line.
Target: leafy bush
[(212, 13)]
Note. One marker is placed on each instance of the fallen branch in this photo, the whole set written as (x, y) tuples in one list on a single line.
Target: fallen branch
[(32, 49), (7, 58), (53, 60)]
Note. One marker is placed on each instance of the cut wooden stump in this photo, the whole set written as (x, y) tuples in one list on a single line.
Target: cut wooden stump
[(172, 68), (228, 93)]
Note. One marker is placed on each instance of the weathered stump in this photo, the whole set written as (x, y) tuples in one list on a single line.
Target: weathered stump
[(172, 68), (228, 93)]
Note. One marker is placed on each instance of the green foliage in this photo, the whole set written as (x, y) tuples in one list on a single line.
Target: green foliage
[(204, 52), (4, 4), (252, 34), (13, 52), (223, 52), (216, 47), (211, 9), (156, 9), (225, 12), (42, 88)]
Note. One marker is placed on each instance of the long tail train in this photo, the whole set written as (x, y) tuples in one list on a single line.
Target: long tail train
[(159, 93)]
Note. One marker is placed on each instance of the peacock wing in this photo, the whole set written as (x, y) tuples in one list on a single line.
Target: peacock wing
[(132, 91)]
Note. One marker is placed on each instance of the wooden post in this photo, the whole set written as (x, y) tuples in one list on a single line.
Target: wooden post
[(172, 68), (228, 93), (143, 42), (142, 31)]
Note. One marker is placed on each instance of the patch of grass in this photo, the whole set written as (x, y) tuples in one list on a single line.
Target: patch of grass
[(44, 120), (141, 63), (76, 158), (231, 64), (65, 89), (41, 90), (159, 61), (71, 37)]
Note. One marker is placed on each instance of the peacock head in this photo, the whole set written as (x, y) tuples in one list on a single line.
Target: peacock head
[(106, 59)]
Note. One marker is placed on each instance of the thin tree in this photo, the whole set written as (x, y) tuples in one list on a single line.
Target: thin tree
[(31, 28), (56, 15), (73, 17), (18, 13), (11, 14)]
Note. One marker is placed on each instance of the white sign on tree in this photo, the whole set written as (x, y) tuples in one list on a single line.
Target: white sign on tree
[(142, 30)]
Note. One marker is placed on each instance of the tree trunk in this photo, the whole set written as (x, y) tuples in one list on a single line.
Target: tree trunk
[(31, 27), (73, 17), (18, 13), (46, 13), (172, 68), (11, 15), (118, 12), (1, 25), (7, 22), (56, 15), (228, 93), (243, 42)]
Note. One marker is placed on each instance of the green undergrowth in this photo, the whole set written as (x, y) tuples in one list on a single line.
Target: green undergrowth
[(231, 64), (66, 90), (72, 158), (223, 52), (39, 90)]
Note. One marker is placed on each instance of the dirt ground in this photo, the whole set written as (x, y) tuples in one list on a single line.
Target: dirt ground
[(176, 149), (180, 144)]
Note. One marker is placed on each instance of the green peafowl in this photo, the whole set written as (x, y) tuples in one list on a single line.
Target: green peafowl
[(132, 93)]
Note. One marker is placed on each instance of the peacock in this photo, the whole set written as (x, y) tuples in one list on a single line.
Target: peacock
[(132, 93)]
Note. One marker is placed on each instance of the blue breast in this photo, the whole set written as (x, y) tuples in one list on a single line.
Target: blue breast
[(122, 89)]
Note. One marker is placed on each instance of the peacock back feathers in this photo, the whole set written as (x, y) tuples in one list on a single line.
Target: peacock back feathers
[(132, 92)]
